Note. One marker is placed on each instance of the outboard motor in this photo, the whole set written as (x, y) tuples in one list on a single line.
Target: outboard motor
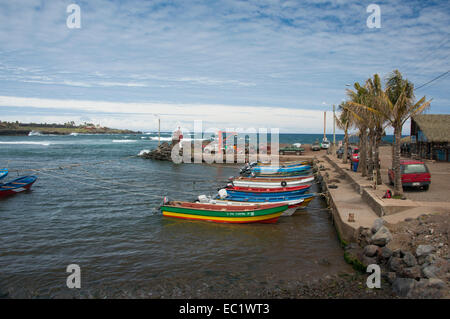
[(223, 193)]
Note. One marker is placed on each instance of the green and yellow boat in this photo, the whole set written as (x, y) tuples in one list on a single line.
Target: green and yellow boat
[(226, 214)]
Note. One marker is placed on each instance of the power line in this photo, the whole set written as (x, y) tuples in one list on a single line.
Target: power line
[(438, 77)]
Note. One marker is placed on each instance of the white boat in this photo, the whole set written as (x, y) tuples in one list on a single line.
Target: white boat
[(293, 204), (288, 182)]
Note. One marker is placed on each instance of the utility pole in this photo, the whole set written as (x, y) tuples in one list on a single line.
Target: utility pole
[(159, 131), (334, 125), (324, 124)]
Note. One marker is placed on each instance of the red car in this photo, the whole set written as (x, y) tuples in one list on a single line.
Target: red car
[(414, 174)]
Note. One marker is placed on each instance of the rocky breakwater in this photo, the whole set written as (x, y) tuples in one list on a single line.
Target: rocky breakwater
[(163, 152), (413, 255)]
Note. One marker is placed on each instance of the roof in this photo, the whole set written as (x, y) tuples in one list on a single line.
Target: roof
[(436, 127)]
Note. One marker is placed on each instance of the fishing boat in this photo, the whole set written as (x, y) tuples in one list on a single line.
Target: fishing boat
[(301, 190), (307, 198), (16, 186), (248, 166), (282, 164), (278, 169), (225, 214), (293, 205), (268, 190), (3, 173), (280, 175), (271, 182)]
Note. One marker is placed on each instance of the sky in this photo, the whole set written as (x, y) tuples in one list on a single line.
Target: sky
[(231, 64)]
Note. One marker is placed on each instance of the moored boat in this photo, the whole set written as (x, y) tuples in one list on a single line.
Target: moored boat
[(224, 214), (293, 205), (16, 186), (280, 175), (271, 182), (298, 191), (281, 164), (3, 173), (306, 199), (268, 190), (279, 170)]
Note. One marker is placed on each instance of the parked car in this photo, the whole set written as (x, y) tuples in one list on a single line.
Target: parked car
[(340, 152), (292, 150), (315, 146), (414, 174), (325, 144)]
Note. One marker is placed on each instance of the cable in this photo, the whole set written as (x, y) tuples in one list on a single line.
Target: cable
[(438, 77)]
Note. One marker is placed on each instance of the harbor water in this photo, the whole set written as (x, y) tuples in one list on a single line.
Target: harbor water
[(103, 215)]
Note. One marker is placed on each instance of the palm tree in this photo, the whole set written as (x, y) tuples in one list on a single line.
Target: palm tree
[(377, 105), (359, 97), (399, 107), (344, 122)]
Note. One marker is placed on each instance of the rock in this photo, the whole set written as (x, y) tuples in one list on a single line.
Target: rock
[(412, 272), (385, 253), (427, 260), (364, 236), (382, 236), (436, 283), (431, 259), (377, 224), (366, 261), (428, 288), (409, 259), (430, 271), (351, 246), (389, 276), (396, 264), (370, 250), (424, 250), (403, 286)]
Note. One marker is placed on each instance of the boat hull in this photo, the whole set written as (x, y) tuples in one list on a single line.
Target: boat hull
[(280, 170), (256, 214), (274, 183), (293, 205), (267, 194), (16, 186), (3, 173)]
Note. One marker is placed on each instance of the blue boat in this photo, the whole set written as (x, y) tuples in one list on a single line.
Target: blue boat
[(282, 175), (266, 194), (250, 199), (3, 173), (16, 186), (278, 169)]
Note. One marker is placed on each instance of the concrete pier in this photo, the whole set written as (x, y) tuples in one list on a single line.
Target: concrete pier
[(349, 193)]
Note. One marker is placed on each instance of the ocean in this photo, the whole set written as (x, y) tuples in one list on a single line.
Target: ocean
[(96, 204)]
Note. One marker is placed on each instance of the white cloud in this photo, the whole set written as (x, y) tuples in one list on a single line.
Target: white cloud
[(141, 115)]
